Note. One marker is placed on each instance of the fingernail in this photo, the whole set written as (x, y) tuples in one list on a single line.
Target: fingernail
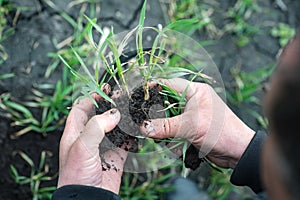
[(148, 127), (114, 114), (106, 88)]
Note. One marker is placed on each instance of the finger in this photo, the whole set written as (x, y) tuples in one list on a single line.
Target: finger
[(95, 129), (152, 84), (166, 127), (180, 85), (113, 169), (116, 94), (75, 124), (82, 112), (106, 88)]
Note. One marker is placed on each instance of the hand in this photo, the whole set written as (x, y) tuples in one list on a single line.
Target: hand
[(79, 158), (206, 122)]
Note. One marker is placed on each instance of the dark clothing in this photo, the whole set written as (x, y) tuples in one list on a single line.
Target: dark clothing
[(80, 192), (246, 173)]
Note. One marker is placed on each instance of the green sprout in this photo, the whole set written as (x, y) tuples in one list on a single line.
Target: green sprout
[(239, 15), (5, 32), (284, 33), (54, 108), (246, 86), (38, 175), (152, 188)]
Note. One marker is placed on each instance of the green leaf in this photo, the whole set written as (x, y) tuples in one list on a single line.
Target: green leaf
[(139, 38), (163, 178), (143, 14), (184, 26), (85, 68), (20, 108), (184, 149), (5, 76), (100, 92), (96, 26), (26, 158), (14, 172), (47, 189)]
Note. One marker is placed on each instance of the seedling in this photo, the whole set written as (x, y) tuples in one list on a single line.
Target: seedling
[(284, 33), (153, 186), (218, 187), (239, 15), (5, 32), (38, 174), (194, 16), (54, 108), (128, 70), (246, 86)]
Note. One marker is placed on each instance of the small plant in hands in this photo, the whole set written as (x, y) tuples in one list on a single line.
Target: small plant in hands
[(127, 79)]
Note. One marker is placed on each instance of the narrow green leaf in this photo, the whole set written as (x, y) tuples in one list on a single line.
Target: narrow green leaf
[(47, 189), (143, 14), (20, 108), (42, 161), (139, 38), (74, 72), (14, 172), (5, 76), (96, 26), (101, 93), (26, 158), (85, 68)]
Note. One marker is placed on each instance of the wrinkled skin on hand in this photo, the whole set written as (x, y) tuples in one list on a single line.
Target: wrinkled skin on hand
[(79, 158), (206, 122)]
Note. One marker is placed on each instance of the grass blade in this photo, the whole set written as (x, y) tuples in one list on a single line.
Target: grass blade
[(140, 34), (96, 26), (85, 68)]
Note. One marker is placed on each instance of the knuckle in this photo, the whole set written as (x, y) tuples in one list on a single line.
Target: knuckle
[(167, 128), (98, 122)]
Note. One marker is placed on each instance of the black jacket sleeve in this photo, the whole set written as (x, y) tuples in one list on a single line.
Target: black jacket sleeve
[(82, 192), (247, 171)]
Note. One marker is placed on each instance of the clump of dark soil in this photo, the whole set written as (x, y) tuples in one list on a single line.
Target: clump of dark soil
[(139, 109), (116, 137), (192, 159)]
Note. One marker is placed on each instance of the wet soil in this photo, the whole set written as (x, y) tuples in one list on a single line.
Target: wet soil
[(116, 138), (139, 109)]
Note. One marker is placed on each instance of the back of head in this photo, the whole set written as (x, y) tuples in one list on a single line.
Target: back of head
[(282, 108)]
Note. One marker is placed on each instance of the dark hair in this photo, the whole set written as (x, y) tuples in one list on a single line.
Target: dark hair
[(283, 111)]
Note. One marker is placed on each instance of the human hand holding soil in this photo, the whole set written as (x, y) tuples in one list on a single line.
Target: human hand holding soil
[(198, 121), (79, 158)]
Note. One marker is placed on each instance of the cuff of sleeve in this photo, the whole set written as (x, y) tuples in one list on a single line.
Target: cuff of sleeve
[(247, 171), (83, 192)]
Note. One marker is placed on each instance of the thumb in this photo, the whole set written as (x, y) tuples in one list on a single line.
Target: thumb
[(165, 127), (96, 127)]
